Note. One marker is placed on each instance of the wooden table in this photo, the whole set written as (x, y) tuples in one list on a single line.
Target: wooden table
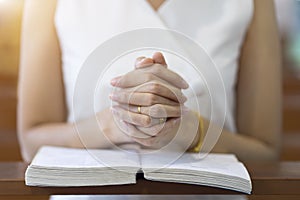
[(269, 180)]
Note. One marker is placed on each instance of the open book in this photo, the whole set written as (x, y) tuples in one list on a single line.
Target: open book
[(62, 167)]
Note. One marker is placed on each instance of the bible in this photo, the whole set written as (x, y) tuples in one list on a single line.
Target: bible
[(67, 167)]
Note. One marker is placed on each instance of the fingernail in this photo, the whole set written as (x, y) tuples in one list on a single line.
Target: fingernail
[(176, 120), (184, 98), (185, 110), (138, 62), (113, 110), (141, 64), (115, 80), (113, 97), (122, 125), (185, 84), (125, 125), (142, 60)]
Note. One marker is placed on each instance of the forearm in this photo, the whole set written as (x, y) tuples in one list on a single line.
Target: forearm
[(56, 134), (85, 134), (246, 147)]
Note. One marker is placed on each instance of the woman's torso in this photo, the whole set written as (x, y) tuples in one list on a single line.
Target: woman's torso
[(219, 26)]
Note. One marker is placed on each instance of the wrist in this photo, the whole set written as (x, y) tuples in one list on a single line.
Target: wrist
[(198, 140), (72, 138)]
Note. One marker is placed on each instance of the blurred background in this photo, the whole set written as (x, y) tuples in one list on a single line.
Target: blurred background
[(288, 14)]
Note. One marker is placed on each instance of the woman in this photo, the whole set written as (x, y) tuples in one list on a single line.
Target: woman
[(54, 45)]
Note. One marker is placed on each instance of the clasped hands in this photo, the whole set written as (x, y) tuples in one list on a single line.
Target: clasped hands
[(149, 101)]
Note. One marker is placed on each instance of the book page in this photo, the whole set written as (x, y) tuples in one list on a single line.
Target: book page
[(152, 159), (226, 164), (82, 158)]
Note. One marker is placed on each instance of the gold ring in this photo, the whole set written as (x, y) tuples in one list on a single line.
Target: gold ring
[(139, 109), (162, 120)]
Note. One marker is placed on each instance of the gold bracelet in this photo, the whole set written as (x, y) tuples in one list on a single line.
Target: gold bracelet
[(197, 148)]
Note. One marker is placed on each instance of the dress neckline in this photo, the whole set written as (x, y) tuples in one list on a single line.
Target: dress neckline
[(159, 8)]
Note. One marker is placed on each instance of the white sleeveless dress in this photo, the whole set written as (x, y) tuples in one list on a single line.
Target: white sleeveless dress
[(219, 26)]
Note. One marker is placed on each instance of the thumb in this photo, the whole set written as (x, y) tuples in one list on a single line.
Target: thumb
[(142, 62), (159, 58)]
